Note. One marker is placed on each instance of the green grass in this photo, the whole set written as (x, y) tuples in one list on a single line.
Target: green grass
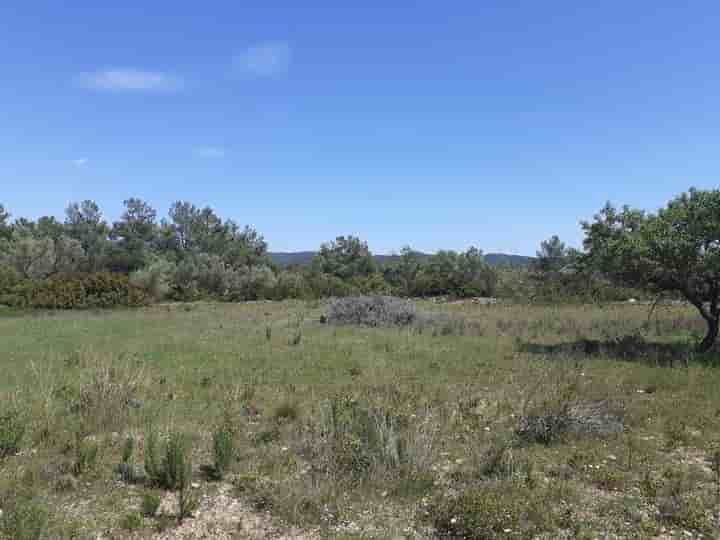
[(374, 427)]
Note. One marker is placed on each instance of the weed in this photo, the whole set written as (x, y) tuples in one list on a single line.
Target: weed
[(153, 465), (176, 462), (224, 450), (358, 438), (267, 436), (66, 483), (128, 449), (86, 454), (24, 517), (491, 511), (12, 430), (286, 412), (187, 501), (132, 521), (149, 504), (676, 432)]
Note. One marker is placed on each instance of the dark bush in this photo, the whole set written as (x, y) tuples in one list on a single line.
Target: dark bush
[(552, 424), (77, 291)]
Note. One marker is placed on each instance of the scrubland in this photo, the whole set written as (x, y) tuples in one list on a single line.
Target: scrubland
[(269, 420)]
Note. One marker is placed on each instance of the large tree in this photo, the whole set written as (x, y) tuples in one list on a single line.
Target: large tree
[(133, 236), (5, 228), (137, 221), (676, 249), (84, 223), (552, 255), (345, 257)]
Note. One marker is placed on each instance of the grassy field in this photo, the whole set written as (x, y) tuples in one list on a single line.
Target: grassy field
[(498, 421)]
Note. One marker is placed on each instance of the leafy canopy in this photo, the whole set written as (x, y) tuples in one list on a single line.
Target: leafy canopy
[(676, 249)]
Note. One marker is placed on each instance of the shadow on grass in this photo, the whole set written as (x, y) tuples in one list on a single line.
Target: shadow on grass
[(632, 348)]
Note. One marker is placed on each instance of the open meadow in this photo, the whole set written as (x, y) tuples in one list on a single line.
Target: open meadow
[(265, 420)]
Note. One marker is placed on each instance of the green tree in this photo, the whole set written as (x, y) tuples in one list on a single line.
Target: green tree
[(402, 273), (34, 256), (243, 247), (133, 236), (676, 249), (137, 221), (460, 274), (345, 258), (552, 256), (5, 227), (84, 223)]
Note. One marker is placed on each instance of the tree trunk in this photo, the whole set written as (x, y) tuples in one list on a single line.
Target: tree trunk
[(712, 333)]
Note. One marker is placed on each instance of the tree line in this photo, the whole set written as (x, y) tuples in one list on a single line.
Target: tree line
[(193, 253)]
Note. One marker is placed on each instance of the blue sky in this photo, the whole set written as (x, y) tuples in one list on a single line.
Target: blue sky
[(434, 124)]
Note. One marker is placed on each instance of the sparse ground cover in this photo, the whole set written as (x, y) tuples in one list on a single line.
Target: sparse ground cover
[(260, 421)]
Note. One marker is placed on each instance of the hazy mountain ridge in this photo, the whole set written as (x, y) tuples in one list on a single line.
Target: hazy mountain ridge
[(303, 258)]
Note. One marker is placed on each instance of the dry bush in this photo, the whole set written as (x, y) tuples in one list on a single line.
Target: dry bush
[(560, 406), (375, 311), (108, 390), (493, 510)]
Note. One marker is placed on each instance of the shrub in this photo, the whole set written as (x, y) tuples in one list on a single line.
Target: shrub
[(77, 291), (357, 439), (131, 522), (129, 472), (175, 471), (224, 450), (108, 386), (149, 504), (558, 420), (251, 283), (375, 311), (291, 285), (176, 462), (154, 279), (86, 455), (9, 278), (24, 517), (490, 511), (128, 448), (12, 430), (153, 466), (286, 412)]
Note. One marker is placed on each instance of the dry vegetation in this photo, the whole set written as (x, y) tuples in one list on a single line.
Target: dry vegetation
[(259, 420)]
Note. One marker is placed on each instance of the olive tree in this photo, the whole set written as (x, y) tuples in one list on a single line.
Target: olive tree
[(37, 257), (676, 249)]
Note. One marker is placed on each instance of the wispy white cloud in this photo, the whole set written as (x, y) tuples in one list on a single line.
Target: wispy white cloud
[(130, 80), (265, 59), (80, 162), (210, 152)]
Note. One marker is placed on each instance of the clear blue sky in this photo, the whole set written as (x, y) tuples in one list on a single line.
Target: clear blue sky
[(434, 124)]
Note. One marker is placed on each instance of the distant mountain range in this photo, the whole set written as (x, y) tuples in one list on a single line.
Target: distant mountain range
[(304, 258)]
